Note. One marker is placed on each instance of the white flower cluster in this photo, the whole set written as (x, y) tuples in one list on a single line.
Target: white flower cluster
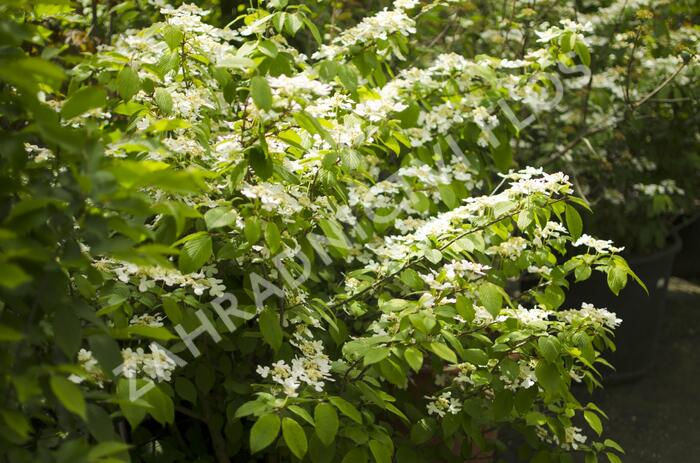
[(600, 246), (533, 318), (312, 368), (371, 29), (148, 276), (443, 404), (526, 376), (156, 365), (590, 314), (524, 184), (91, 369), (152, 321), (573, 437), (666, 187), (568, 27)]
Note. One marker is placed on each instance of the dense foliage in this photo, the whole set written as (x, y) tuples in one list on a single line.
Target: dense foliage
[(299, 235)]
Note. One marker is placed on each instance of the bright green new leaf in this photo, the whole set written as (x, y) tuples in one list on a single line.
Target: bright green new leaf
[(294, 437), (195, 253), (327, 423), (128, 83), (442, 351), (264, 432), (261, 93), (347, 409)]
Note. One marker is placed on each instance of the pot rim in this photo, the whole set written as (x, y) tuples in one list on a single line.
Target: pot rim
[(672, 249)]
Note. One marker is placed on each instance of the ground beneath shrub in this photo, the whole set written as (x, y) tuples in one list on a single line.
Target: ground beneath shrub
[(656, 419)]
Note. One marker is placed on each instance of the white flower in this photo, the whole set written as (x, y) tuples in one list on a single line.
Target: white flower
[(154, 321), (443, 404), (601, 246)]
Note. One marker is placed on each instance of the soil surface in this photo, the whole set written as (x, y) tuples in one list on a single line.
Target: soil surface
[(656, 419)]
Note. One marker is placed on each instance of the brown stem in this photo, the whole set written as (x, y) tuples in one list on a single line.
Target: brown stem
[(217, 441)]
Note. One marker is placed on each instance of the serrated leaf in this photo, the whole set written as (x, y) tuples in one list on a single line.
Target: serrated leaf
[(195, 253), (163, 100), (261, 93), (220, 217), (490, 296), (128, 83)]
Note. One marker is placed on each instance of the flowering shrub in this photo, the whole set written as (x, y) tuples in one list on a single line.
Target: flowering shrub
[(623, 128), (217, 247)]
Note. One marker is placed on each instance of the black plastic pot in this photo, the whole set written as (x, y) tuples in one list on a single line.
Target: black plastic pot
[(641, 314), (687, 264)]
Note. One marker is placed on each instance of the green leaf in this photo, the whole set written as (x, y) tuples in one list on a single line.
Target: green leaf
[(444, 352), (617, 279), (327, 423), (593, 421), (162, 407), (549, 347), (548, 376), (195, 253), (583, 53), (347, 409), (393, 373), (380, 451), (574, 222), (8, 334), (261, 93), (272, 237), (186, 389), (82, 101), (260, 162), (17, 422), (67, 330), (163, 100), (172, 36), (12, 276), (69, 395), (220, 217), (375, 355), (264, 432), (414, 358), (252, 230), (270, 329), (302, 413), (503, 153), (612, 458), (295, 437), (355, 455), (433, 255), (490, 296), (128, 83)]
